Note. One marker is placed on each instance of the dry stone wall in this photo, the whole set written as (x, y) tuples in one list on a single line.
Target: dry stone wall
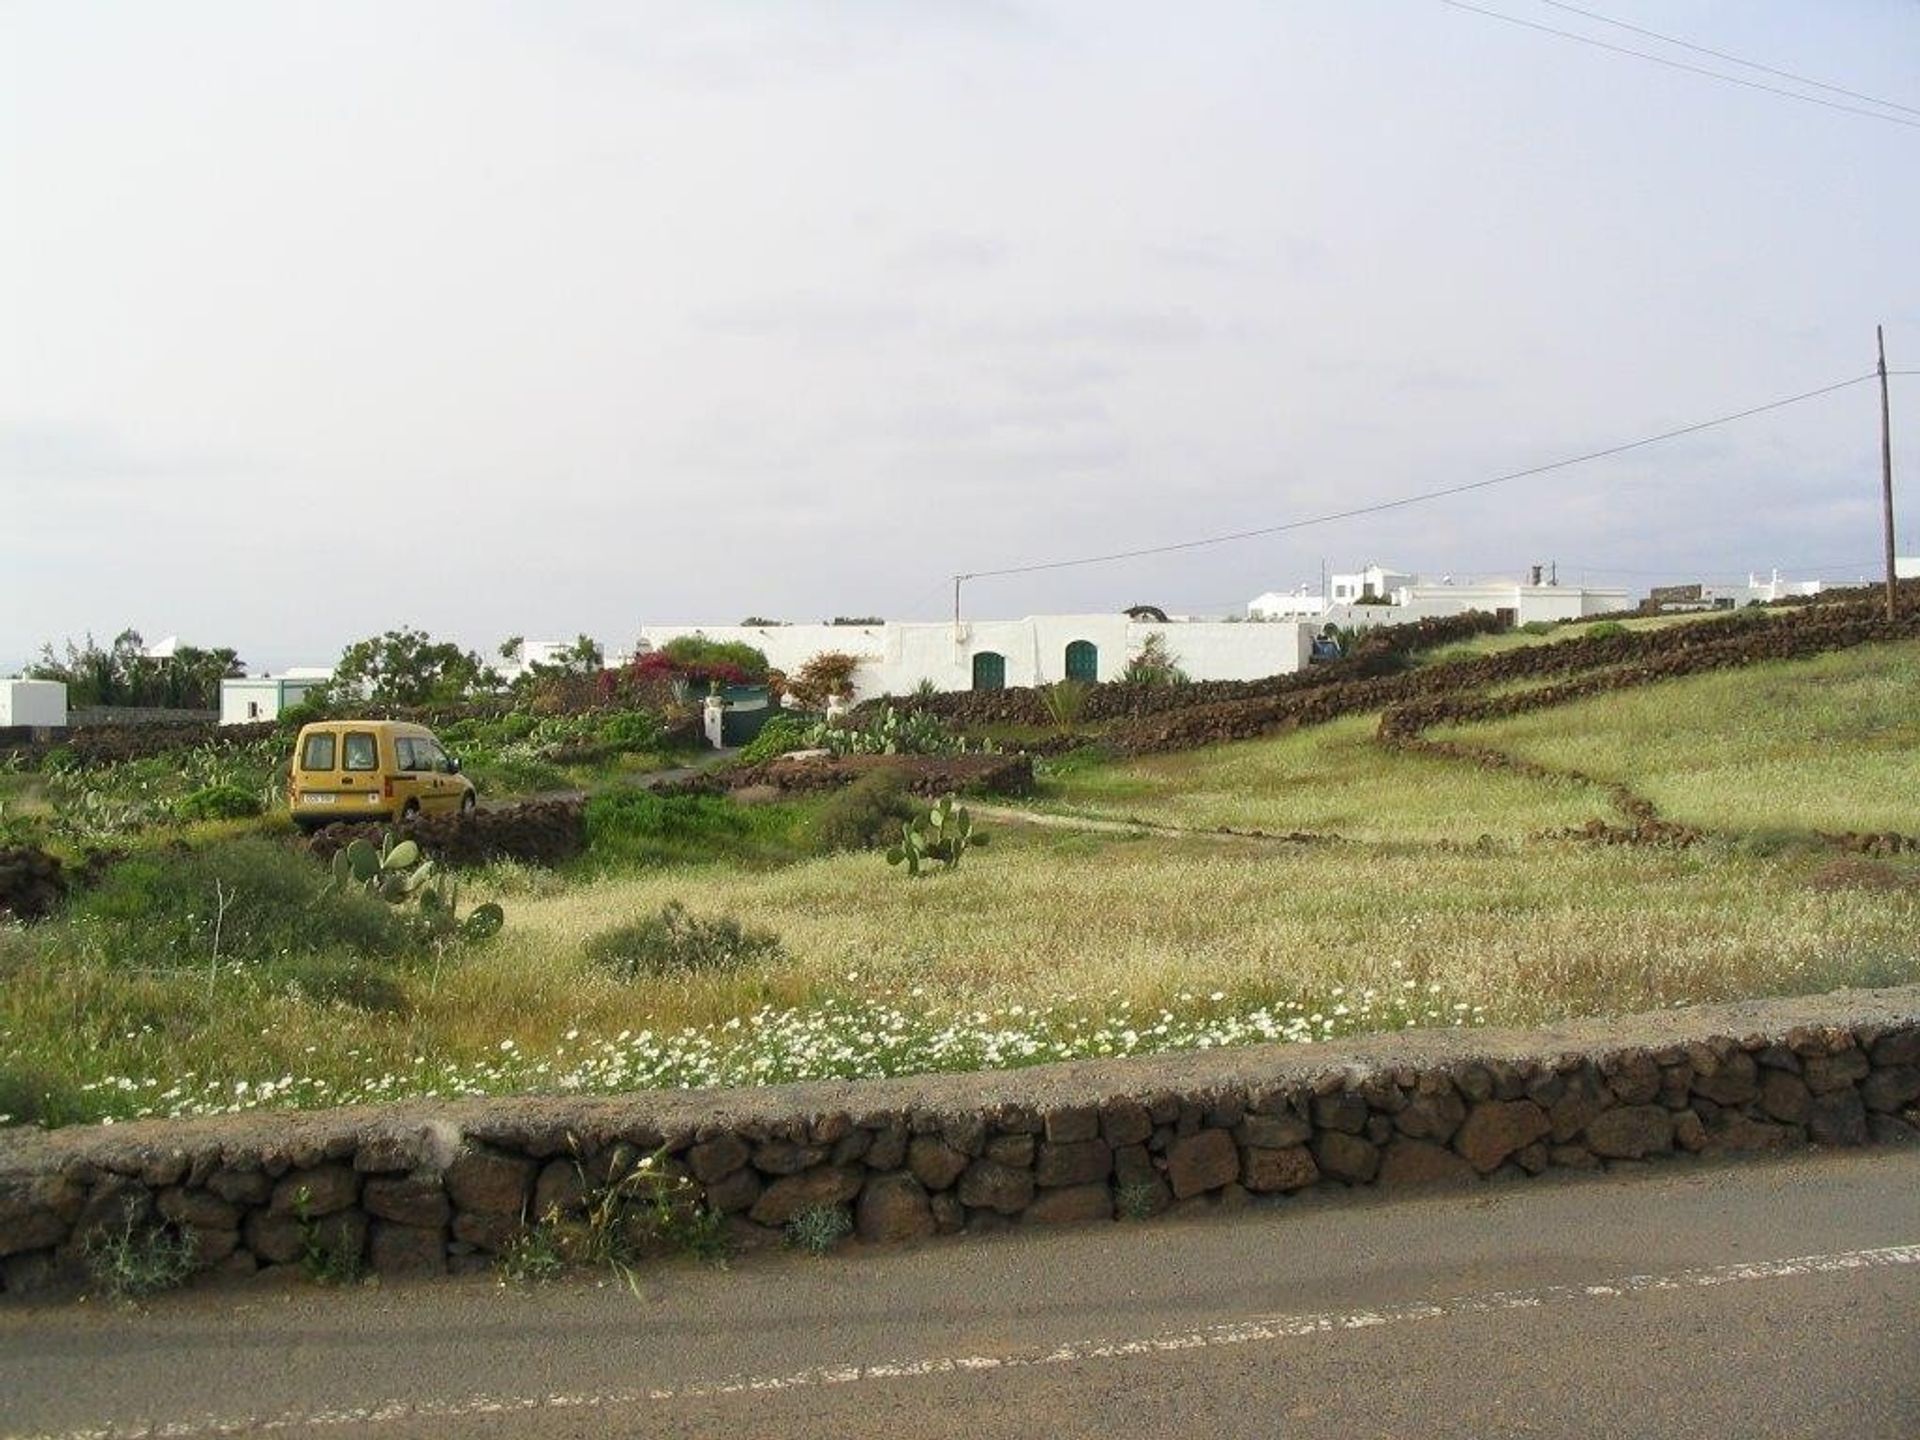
[(428, 1189)]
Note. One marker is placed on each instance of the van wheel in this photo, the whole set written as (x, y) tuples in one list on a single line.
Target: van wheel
[(410, 812), (468, 804)]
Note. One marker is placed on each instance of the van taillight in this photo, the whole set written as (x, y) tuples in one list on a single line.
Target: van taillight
[(386, 787)]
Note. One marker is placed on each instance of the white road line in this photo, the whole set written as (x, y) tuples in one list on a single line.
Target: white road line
[(1241, 1332)]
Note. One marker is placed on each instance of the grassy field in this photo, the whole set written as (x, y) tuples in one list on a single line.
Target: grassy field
[(1436, 907), (1554, 635), (1827, 744), (1332, 779)]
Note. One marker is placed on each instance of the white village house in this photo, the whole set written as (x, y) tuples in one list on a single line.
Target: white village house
[(1380, 595), (896, 657), (41, 704), (250, 699)]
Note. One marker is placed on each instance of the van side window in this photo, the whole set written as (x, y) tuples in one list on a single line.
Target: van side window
[(318, 753), (403, 753), (362, 752), (432, 757)]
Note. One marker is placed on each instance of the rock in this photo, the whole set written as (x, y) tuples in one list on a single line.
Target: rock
[(560, 1190), (1633, 1076), (485, 1182), (406, 1249), (735, 1192), (1494, 1129), (989, 1185), (1630, 1132), (1347, 1157), (1431, 1117), (1585, 1098), (1125, 1122), (1891, 1088), (1266, 1171), (1071, 1123), (1014, 1150), (1573, 1157), (36, 1230), (386, 1154), (936, 1164), (1201, 1162), (1407, 1162), (889, 1148), (198, 1210), (949, 1215), (717, 1158), (1689, 1131), (1785, 1096), (1826, 1073), (893, 1207), (966, 1133), (1070, 1203), (787, 1157), (1133, 1165), (827, 1186), (1075, 1163), (491, 1233), (1734, 1082), (1838, 1117), (1343, 1110), (1900, 1047), (1887, 1130), (851, 1147), (831, 1128), (1273, 1132), (212, 1248), (316, 1192), (1731, 1130), (241, 1187), (274, 1239), (407, 1200)]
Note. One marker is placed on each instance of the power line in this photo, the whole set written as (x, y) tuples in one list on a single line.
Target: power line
[(1423, 496), (1671, 64), (1735, 59)]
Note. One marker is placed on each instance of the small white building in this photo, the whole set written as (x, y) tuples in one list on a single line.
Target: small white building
[(1380, 595), (39, 703), (251, 699), (895, 658)]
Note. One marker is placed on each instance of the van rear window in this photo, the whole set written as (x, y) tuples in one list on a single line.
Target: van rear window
[(318, 753), (362, 751)]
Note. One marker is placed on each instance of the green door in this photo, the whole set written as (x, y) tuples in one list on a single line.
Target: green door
[(989, 671), (1083, 661)]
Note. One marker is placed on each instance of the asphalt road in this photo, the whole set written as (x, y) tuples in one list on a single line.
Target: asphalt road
[(1766, 1299)]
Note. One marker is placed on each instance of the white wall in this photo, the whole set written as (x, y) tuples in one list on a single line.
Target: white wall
[(267, 697), (896, 658), (33, 702)]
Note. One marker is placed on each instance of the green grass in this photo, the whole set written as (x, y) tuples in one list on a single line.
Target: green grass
[(1329, 779), (1826, 744), (1520, 639)]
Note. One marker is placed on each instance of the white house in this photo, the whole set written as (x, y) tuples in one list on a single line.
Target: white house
[(895, 658), (1380, 595), (39, 703), (254, 698)]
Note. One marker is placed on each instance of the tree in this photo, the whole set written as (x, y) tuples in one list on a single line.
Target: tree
[(407, 667), (123, 674)]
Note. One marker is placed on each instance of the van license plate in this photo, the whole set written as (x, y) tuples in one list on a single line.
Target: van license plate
[(313, 799)]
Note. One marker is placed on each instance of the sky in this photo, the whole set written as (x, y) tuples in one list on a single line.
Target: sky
[(546, 318)]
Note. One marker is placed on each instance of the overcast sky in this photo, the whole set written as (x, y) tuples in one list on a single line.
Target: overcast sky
[(548, 317)]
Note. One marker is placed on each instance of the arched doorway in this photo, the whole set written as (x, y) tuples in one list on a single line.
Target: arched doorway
[(989, 671), (1083, 661)]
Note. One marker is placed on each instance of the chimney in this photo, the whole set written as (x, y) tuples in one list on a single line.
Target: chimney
[(1533, 576)]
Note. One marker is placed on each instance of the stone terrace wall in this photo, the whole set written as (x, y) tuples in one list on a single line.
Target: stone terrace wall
[(424, 1189)]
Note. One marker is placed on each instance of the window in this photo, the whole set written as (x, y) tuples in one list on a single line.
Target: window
[(427, 755), (318, 754), (253, 709), (362, 751), (403, 754)]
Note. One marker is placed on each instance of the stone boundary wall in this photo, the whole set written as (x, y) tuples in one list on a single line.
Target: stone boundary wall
[(430, 1188)]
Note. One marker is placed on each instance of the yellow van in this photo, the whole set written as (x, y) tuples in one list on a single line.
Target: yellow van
[(373, 770)]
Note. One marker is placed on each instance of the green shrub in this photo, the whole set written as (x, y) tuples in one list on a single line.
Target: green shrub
[(637, 827), (159, 909), (866, 815), (675, 941), (779, 735), (696, 651), (630, 730), (818, 1228), (133, 1260), (1605, 630), (219, 802), (1537, 627), (305, 713)]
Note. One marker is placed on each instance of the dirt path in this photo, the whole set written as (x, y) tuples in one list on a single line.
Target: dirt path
[(1047, 820)]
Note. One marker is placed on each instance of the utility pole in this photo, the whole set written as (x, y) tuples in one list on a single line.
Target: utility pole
[(1886, 473), (956, 605)]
